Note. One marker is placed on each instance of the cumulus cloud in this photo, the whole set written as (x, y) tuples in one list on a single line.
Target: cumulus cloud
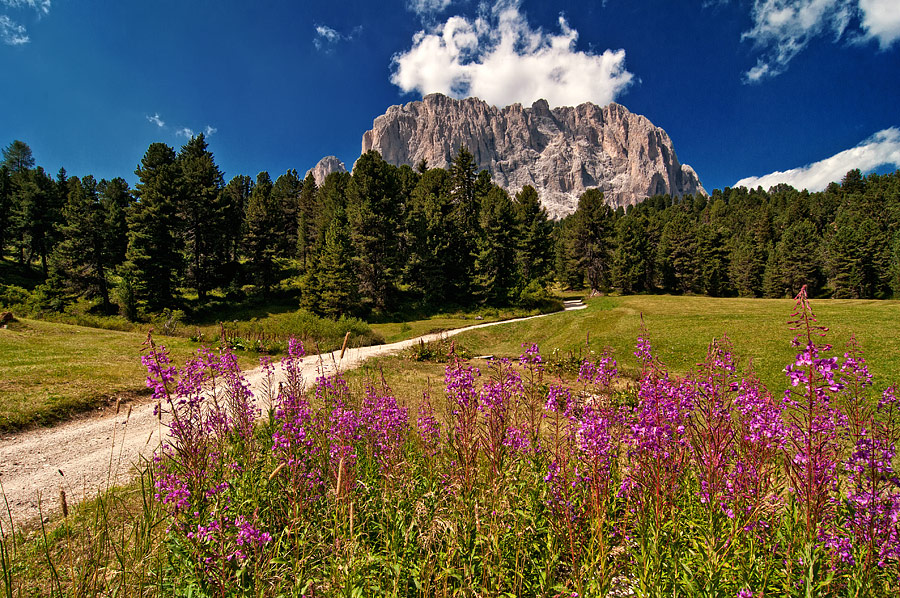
[(186, 132), (882, 148), (499, 58), (12, 33), (156, 120), (881, 20), (783, 28), (210, 130)]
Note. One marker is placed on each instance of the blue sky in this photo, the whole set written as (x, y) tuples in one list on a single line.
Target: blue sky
[(803, 89)]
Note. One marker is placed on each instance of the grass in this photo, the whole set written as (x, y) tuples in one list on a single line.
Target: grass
[(52, 371), (682, 327)]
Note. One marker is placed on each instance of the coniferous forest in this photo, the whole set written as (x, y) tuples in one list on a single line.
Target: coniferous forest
[(384, 238)]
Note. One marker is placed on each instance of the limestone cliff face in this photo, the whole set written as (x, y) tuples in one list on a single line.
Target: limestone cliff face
[(326, 166), (560, 151)]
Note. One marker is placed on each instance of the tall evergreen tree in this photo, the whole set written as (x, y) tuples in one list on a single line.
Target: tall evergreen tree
[(84, 256), (337, 281), (631, 258), (433, 236), (6, 208), (235, 197), (534, 236), (592, 238), (286, 195), (495, 274), (374, 217), (17, 156), (307, 208), (37, 211), (153, 258), (116, 200), (260, 247), (202, 211)]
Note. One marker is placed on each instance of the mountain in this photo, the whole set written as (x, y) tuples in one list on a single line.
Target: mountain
[(561, 151), (326, 166)]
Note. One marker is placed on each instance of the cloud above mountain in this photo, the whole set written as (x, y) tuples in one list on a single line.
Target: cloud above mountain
[(784, 28), (501, 59), (881, 149)]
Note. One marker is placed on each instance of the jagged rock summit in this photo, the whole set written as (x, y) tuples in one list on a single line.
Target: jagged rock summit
[(326, 166), (561, 151)]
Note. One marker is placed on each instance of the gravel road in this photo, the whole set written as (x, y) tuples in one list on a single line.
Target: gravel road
[(87, 455)]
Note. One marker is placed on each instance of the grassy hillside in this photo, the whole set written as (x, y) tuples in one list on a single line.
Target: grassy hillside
[(49, 371), (680, 329)]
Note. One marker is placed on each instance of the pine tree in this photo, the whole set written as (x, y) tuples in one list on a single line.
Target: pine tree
[(260, 247), (153, 257), (203, 214), (534, 237), (307, 209), (286, 196), (116, 200), (17, 157), (631, 258), (235, 197), (6, 208), (83, 258), (336, 279), (592, 238), (432, 238), (495, 274), (374, 213)]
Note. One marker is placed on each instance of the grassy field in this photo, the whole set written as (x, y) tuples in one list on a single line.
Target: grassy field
[(680, 329), (50, 371)]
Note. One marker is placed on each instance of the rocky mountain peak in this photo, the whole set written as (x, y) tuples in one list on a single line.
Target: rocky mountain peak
[(326, 166), (560, 151)]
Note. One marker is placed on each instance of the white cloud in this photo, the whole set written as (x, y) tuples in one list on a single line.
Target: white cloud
[(186, 132), (327, 37), (38, 5), (428, 8), (881, 20), (156, 120), (499, 58), (12, 33), (882, 148), (210, 130), (783, 28)]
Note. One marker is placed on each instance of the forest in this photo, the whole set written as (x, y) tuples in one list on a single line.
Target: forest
[(385, 238)]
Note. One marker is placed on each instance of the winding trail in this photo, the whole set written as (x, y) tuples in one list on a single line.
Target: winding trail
[(86, 456)]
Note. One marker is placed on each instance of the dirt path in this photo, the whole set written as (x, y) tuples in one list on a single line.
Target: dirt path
[(83, 457)]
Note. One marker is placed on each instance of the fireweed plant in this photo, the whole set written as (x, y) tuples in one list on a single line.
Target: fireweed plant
[(510, 482)]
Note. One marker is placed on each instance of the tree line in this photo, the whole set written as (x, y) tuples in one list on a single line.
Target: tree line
[(385, 237), (370, 241), (843, 242)]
